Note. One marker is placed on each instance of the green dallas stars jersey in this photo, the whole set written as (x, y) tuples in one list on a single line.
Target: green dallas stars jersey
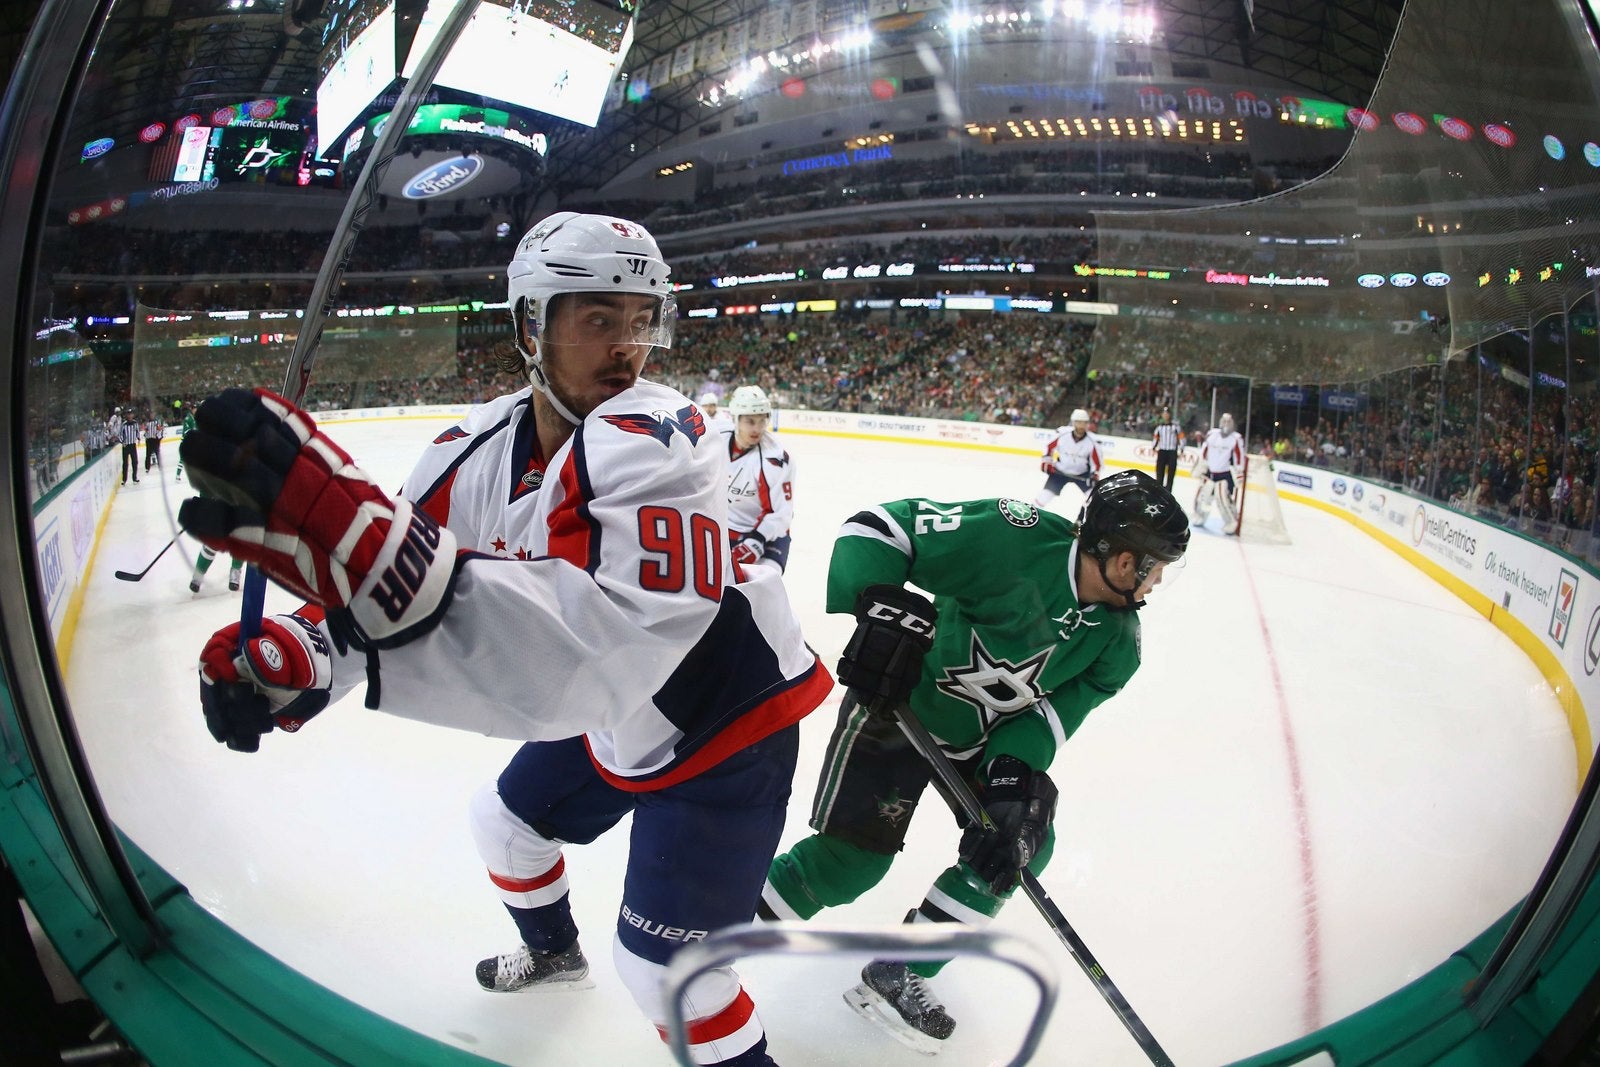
[(1017, 662)]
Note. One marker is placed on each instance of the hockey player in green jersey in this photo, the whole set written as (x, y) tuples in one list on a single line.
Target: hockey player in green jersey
[(188, 424), (1031, 627)]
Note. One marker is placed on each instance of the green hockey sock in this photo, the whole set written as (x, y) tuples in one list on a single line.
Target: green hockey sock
[(822, 871)]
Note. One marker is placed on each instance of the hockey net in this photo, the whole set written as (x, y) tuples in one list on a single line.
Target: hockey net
[(1258, 515)]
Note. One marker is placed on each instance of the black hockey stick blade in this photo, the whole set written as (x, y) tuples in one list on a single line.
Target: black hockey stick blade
[(134, 576), (948, 781)]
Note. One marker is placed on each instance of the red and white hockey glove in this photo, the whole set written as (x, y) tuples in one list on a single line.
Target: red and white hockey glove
[(748, 549), (1047, 465), (276, 492), (280, 678)]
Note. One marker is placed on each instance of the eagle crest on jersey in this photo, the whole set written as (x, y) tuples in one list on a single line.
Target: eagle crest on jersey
[(454, 433), (993, 684), (662, 425)]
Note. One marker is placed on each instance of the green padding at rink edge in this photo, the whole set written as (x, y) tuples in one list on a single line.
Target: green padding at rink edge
[(1427, 1022), (209, 997)]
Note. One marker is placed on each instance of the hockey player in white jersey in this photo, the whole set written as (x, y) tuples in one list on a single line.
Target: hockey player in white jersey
[(717, 420), (760, 483), (1220, 454), (555, 569), (1073, 455)]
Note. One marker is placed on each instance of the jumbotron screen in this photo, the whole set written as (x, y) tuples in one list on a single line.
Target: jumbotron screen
[(356, 62), (240, 154), (557, 58)]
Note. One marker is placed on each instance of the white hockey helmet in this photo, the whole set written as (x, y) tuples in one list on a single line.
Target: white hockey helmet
[(1226, 422), (571, 252), (710, 400), (1079, 415), (749, 400)]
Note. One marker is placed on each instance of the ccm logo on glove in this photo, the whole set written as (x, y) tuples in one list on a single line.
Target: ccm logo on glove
[(889, 613)]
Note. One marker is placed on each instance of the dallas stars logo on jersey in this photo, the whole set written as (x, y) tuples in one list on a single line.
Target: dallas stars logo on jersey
[(1018, 513), (994, 685)]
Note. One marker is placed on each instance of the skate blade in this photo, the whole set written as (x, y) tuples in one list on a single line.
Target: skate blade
[(865, 1002), (583, 981)]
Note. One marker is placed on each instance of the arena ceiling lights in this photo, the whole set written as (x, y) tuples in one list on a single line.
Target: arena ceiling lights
[(1101, 18), (745, 77)]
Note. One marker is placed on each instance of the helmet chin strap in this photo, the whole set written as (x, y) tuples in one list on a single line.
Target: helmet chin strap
[(540, 380), (1128, 601)]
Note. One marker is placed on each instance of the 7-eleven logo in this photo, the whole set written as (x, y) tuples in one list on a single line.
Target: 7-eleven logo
[(1561, 613)]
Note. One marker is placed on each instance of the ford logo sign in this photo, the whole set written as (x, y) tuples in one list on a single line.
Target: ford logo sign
[(1436, 278), (1402, 280), (1370, 281), (96, 149), (444, 177)]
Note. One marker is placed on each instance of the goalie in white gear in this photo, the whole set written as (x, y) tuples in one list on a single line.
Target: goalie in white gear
[(760, 483), (1073, 455), (1221, 454)]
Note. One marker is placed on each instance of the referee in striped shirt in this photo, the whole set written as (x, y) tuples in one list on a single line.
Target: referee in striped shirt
[(1165, 439), (130, 448)]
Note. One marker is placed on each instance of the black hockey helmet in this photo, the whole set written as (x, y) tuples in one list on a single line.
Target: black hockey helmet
[(1132, 512)]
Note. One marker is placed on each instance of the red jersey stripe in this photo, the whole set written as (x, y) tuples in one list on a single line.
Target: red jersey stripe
[(437, 503), (766, 718), (570, 526)]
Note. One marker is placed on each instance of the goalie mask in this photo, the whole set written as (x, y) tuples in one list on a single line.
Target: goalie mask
[(1226, 422), (1132, 512), (569, 253)]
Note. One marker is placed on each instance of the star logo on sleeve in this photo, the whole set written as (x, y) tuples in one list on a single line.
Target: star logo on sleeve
[(994, 685), (499, 544)]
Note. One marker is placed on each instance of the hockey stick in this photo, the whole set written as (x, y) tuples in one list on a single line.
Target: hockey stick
[(959, 796), (320, 304), (134, 576)]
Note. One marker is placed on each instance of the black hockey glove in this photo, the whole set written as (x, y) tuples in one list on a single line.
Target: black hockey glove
[(1021, 803), (883, 661)]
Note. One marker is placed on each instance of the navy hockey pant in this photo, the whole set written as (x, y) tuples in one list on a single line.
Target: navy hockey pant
[(699, 850)]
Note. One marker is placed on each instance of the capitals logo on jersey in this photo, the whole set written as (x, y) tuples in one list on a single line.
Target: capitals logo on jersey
[(454, 433), (661, 425)]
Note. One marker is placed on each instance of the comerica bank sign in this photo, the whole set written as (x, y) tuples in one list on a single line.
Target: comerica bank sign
[(875, 154)]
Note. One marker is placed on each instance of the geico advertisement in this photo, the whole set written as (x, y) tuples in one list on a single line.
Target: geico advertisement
[(1555, 598)]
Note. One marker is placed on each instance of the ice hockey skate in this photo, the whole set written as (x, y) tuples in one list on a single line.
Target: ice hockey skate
[(901, 1002), (525, 969)]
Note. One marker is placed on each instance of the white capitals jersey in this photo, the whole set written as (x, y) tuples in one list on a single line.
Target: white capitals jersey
[(760, 487), (1074, 457), (1222, 451), (594, 595)]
